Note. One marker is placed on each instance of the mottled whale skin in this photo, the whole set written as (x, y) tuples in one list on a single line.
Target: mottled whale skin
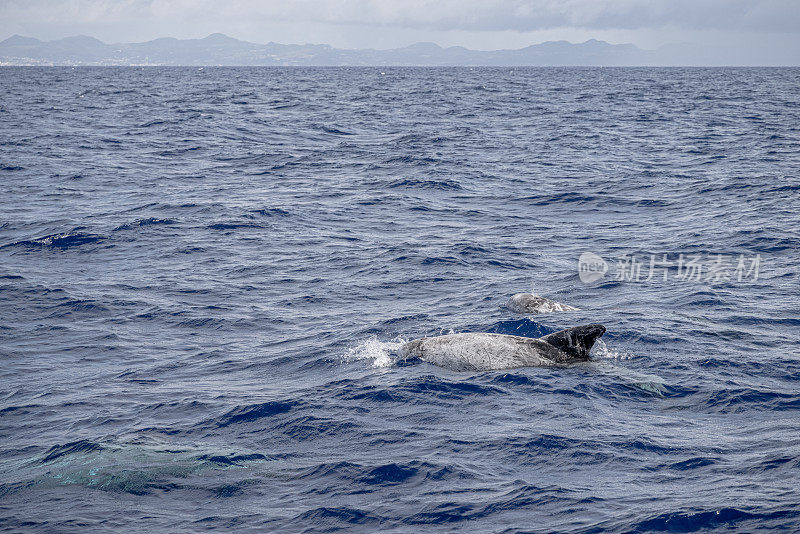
[(530, 303), (486, 352)]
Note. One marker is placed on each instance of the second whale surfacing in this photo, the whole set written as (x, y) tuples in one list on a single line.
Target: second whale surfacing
[(486, 352), (530, 303)]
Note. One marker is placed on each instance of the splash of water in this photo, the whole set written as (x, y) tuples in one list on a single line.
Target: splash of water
[(377, 352), (603, 351)]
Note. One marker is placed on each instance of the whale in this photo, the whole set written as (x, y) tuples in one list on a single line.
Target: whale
[(477, 351), (530, 303)]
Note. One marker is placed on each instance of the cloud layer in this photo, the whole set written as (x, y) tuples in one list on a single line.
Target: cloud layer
[(468, 15)]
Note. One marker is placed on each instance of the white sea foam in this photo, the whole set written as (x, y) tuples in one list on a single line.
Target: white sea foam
[(378, 353), (603, 351)]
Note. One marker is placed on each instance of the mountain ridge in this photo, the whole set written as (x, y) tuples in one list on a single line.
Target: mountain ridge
[(223, 50)]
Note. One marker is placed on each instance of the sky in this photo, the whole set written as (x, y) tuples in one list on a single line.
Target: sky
[(761, 27)]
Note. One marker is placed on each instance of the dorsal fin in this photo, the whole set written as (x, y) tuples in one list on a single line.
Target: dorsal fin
[(576, 342)]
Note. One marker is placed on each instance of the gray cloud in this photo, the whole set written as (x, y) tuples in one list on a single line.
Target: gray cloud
[(468, 15)]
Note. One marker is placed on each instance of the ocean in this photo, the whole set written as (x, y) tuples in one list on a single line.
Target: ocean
[(206, 274)]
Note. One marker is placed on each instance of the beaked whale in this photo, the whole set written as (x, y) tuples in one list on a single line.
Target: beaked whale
[(530, 303), (485, 352)]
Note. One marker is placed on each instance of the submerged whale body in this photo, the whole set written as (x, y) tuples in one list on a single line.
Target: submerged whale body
[(485, 352), (530, 303)]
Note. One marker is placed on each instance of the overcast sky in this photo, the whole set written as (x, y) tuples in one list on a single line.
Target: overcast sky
[(770, 26)]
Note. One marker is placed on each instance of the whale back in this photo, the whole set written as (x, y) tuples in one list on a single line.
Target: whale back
[(482, 351), (576, 342), (485, 351)]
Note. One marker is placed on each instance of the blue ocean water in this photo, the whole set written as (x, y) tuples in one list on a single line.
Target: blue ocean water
[(205, 275)]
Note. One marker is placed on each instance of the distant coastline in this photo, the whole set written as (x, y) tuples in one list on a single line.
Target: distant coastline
[(222, 50)]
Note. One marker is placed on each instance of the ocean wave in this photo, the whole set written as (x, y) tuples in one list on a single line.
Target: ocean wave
[(255, 412), (271, 212), (233, 459), (235, 226), (149, 221), (727, 518), (418, 183), (75, 447), (333, 130), (62, 241), (422, 390)]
